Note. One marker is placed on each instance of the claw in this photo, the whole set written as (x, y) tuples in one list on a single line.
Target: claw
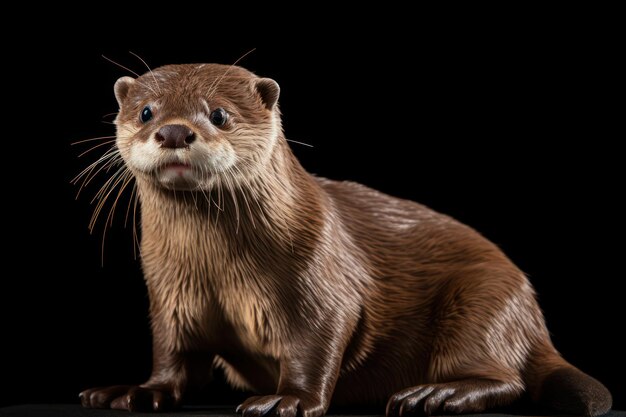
[(282, 406), (132, 398)]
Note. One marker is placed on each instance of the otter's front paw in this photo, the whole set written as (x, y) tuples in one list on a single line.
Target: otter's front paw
[(128, 397), (283, 405)]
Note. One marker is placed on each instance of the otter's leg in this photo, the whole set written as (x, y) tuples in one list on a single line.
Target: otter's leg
[(466, 396), (483, 322), (307, 381), (173, 373)]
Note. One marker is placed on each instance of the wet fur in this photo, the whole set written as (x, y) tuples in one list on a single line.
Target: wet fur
[(311, 291)]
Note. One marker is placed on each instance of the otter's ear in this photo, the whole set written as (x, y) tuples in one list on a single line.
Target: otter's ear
[(269, 91), (121, 88)]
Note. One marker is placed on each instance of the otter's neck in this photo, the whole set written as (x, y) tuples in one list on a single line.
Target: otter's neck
[(280, 203)]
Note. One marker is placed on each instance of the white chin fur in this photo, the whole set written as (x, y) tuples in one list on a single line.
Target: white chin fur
[(177, 179)]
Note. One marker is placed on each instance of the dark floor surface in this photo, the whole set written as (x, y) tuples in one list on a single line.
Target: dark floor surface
[(64, 410)]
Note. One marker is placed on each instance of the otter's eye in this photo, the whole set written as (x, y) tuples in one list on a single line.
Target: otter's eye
[(146, 114), (218, 117)]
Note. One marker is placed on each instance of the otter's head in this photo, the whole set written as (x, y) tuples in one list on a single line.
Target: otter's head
[(190, 127)]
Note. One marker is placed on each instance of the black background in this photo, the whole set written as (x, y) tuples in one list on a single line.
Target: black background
[(508, 127)]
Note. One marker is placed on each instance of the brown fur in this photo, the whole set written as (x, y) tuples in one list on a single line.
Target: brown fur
[(309, 290)]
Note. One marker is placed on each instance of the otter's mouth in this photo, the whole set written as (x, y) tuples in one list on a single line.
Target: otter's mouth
[(177, 175), (177, 167)]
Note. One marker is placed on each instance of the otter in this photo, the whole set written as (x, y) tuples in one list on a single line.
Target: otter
[(313, 292)]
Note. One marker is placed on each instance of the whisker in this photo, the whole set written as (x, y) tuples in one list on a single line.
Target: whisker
[(115, 185), (300, 143), (130, 200), (135, 234), (108, 159), (219, 198), (115, 160), (127, 178), (96, 147), (121, 66), (96, 214), (124, 179), (195, 200), (111, 160), (149, 69), (131, 71), (92, 139), (216, 83), (107, 184), (108, 154)]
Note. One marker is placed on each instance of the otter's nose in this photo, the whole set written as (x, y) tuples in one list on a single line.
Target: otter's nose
[(175, 136)]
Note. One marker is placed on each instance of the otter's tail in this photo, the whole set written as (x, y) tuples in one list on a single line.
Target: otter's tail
[(554, 383)]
